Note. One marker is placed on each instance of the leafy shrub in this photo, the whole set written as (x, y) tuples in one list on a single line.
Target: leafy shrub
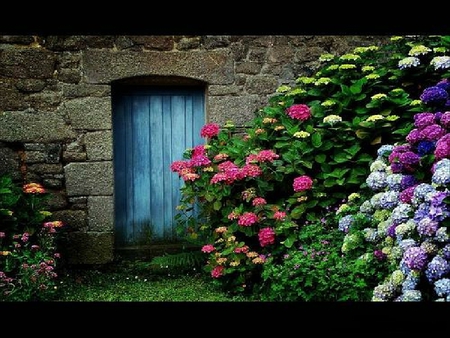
[(253, 189), (27, 243), (318, 271)]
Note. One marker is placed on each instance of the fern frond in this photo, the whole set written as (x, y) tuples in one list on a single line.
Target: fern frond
[(185, 260)]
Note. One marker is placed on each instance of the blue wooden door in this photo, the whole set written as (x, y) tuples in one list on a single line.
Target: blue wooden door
[(152, 127)]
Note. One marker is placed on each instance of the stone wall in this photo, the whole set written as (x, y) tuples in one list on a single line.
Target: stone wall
[(55, 107)]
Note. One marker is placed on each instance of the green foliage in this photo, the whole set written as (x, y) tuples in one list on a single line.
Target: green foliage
[(27, 243), (180, 262), (324, 131), (317, 270)]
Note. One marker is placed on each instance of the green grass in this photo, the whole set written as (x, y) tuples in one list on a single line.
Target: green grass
[(137, 282)]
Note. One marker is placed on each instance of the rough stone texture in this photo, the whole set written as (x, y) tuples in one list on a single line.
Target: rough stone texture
[(33, 127), (88, 113), (98, 145), (88, 248), (55, 106), (89, 178), (214, 67), (237, 108), (9, 161), (75, 220), (100, 213)]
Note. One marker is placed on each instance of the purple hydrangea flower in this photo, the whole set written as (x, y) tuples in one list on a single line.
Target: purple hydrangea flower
[(390, 231), (414, 136), (427, 227), (421, 120), (408, 181), (434, 96), (433, 132), (415, 258), (445, 120), (439, 210), (380, 255)]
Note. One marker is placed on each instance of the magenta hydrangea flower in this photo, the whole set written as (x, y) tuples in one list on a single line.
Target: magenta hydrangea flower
[(445, 120), (442, 147), (247, 219), (266, 236), (299, 112), (302, 183), (210, 130)]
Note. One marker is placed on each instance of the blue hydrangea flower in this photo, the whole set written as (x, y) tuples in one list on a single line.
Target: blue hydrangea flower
[(366, 207), (410, 283), (410, 296), (401, 213), (406, 243), (442, 287), (385, 150), (389, 200), (394, 182), (383, 292), (425, 147), (345, 223), (437, 268), (434, 96), (441, 175), (377, 180)]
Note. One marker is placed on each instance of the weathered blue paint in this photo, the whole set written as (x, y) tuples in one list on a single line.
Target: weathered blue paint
[(152, 127)]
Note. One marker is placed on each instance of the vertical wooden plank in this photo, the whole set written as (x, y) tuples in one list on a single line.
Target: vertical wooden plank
[(158, 107), (140, 166)]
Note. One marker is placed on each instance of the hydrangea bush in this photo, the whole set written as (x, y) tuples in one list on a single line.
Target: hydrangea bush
[(249, 192), (410, 207)]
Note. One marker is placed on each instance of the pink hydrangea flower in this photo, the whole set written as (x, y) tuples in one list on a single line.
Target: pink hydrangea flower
[(302, 183), (210, 130), (279, 215), (266, 236), (247, 219), (217, 271), (299, 112), (208, 248), (257, 201)]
